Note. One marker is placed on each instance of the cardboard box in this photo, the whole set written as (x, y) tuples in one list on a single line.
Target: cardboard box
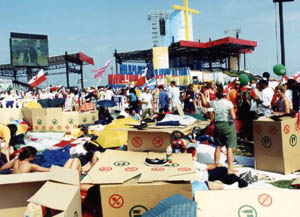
[(248, 203), (70, 120), (54, 119), (84, 117), (94, 116), (16, 189), (148, 141), (10, 114), (154, 138), (127, 193), (62, 193), (36, 118), (42, 120), (276, 145)]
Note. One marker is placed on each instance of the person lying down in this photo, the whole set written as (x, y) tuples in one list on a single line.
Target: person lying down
[(22, 162)]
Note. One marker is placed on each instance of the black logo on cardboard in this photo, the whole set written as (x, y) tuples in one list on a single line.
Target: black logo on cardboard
[(266, 142), (71, 121), (137, 210), (75, 214), (39, 122), (84, 119), (54, 121), (293, 140)]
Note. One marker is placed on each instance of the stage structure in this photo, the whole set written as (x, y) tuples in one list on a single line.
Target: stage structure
[(172, 32), (72, 63), (195, 55)]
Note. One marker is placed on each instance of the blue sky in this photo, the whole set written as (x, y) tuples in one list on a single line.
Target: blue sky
[(98, 27)]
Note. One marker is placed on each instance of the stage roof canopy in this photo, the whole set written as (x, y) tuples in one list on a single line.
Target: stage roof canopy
[(206, 51)]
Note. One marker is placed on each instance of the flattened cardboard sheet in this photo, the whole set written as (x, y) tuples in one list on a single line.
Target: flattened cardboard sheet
[(116, 167)]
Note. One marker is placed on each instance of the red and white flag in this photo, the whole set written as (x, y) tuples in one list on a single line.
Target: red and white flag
[(297, 77), (100, 72), (38, 79)]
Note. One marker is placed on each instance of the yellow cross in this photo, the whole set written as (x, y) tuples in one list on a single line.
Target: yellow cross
[(186, 10)]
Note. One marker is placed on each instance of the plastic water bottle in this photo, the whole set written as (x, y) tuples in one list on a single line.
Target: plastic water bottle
[(267, 113), (169, 154)]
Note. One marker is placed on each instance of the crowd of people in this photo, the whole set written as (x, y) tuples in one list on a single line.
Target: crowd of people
[(221, 104)]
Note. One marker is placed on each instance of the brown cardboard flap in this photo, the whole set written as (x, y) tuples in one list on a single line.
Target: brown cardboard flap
[(55, 195), (24, 178), (260, 202), (181, 169), (64, 175), (180, 110)]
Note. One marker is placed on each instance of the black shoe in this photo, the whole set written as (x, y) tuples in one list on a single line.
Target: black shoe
[(156, 162), (142, 125)]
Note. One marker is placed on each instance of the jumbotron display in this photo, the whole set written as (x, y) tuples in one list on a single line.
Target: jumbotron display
[(29, 50)]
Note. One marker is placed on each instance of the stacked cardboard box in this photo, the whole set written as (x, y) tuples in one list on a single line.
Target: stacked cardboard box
[(276, 145), (154, 138), (55, 120)]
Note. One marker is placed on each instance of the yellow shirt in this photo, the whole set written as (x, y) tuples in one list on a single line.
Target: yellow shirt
[(4, 133)]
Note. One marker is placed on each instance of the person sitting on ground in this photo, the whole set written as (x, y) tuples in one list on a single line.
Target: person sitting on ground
[(135, 115), (22, 162), (283, 105)]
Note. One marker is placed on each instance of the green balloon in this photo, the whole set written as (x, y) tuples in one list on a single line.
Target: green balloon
[(279, 69), (244, 79)]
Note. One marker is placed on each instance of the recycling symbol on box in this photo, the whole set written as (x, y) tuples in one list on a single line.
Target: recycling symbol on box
[(54, 121), (39, 122), (84, 119), (293, 140), (70, 121)]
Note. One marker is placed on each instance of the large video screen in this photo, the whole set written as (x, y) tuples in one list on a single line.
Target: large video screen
[(29, 50)]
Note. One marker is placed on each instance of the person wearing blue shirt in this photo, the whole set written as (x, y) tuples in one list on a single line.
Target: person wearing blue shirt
[(133, 101), (163, 99)]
